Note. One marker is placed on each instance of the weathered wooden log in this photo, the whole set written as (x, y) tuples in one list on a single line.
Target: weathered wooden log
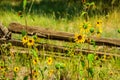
[(4, 32), (54, 48), (64, 36), (41, 32)]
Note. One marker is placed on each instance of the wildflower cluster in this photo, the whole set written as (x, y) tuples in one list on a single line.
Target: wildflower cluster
[(35, 74), (87, 30), (28, 41), (32, 56), (99, 27)]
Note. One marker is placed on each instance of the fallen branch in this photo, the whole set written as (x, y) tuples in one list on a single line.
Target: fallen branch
[(63, 36), (54, 48)]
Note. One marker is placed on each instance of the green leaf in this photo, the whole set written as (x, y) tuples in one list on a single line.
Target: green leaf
[(23, 33), (14, 78), (62, 65), (34, 53), (92, 3), (93, 43), (45, 68), (85, 26), (91, 71), (91, 30), (24, 4), (81, 72), (35, 37), (25, 78), (59, 65), (118, 30), (87, 4), (83, 63), (83, 13), (90, 57)]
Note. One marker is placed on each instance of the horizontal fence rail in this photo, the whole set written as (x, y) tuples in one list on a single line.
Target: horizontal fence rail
[(54, 48), (54, 35)]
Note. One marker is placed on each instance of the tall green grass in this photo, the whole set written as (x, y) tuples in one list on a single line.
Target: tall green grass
[(110, 22)]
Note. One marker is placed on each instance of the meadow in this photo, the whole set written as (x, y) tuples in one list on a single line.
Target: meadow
[(45, 65)]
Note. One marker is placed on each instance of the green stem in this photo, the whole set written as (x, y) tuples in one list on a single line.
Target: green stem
[(31, 76), (42, 74), (88, 68), (30, 57), (25, 19), (30, 7)]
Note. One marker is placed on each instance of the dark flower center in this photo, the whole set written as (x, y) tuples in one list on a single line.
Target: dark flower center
[(49, 60), (35, 71), (16, 69), (98, 22), (25, 38), (35, 76), (2, 67), (19, 13), (79, 37), (35, 60), (30, 41)]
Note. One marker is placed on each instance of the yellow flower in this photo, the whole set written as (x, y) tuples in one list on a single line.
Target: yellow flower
[(99, 23), (111, 73), (35, 61), (99, 32), (96, 57), (98, 35), (85, 27), (30, 42), (104, 57), (35, 74), (2, 68), (79, 38), (16, 69), (24, 39), (49, 61), (83, 78)]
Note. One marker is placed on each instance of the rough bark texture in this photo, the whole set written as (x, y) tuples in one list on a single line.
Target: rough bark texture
[(63, 36), (4, 32)]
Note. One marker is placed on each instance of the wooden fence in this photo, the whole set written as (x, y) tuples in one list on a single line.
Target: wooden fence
[(61, 36)]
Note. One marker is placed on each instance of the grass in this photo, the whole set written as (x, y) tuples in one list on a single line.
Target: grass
[(110, 22), (74, 67)]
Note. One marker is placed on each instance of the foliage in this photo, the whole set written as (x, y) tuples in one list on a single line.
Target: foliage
[(42, 65)]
